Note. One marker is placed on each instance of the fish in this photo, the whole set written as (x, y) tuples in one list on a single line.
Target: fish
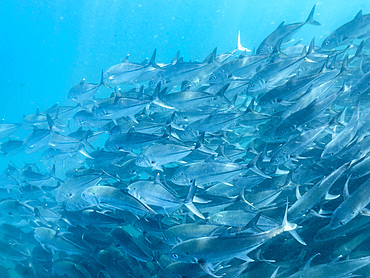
[(207, 250), (357, 28), (52, 240), (283, 34), (84, 92), (331, 270), (183, 168), (115, 199), (351, 206), (128, 73)]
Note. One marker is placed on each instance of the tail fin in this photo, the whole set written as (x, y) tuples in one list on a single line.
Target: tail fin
[(221, 94), (285, 224), (240, 47), (189, 201), (310, 19), (290, 227)]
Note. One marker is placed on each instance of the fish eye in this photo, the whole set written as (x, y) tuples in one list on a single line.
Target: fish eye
[(327, 43), (251, 85), (260, 52), (174, 256), (213, 77), (175, 178)]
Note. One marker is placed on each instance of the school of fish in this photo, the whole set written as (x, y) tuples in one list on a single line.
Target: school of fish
[(247, 164)]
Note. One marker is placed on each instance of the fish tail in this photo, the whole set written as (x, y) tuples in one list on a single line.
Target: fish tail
[(189, 201), (240, 47), (286, 225), (310, 19), (290, 227)]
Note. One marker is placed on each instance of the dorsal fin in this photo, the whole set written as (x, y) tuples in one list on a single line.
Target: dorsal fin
[(358, 15), (333, 62), (324, 66), (211, 57), (312, 46), (176, 58), (152, 60), (126, 59), (344, 67), (308, 263), (162, 93), (82, 82), (116, 98), (281, 24), (156, 91), (144, 62), (50, 121)]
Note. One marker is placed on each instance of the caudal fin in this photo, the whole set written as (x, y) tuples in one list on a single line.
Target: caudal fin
[(240, 47), (310, 19), (290, 227), (189, 201)]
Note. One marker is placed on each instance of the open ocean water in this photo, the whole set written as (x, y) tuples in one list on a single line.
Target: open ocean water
[(48, 47)]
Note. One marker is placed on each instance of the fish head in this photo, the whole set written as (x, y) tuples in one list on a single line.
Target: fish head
[(264, 49), (180, 178), (83, 117), (328, 153), (219, 76), (74, 203), (154, 82), (264, 101), (109, 78), (99, 112), (277, 160), (332, 41), (73, 94), (256, 84), (90, 195), (154, 107), (143, 161), (337, 222), (284, 129), (181, 253), (189, 134)]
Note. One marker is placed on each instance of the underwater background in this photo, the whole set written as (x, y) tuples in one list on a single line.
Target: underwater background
[(48, 47)]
